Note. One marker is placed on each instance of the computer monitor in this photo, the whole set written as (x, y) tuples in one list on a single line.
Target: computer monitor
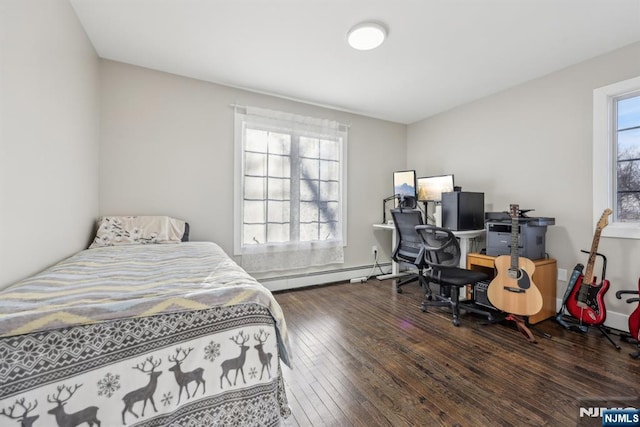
[(430, 188), (404, 183)]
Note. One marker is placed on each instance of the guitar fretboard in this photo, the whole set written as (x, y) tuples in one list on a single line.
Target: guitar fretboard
[(514, 211), (588, 275), (602, 223)]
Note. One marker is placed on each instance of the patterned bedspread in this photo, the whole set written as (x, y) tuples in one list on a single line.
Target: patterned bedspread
[(157, 335)]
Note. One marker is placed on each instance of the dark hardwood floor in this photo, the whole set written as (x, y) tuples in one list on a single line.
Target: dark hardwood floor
[(365, 355)]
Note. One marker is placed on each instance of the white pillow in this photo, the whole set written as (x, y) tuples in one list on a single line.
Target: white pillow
[(136, 230)]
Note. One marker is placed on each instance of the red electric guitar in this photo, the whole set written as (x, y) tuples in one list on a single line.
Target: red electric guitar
[(634, 318), (586, 300)]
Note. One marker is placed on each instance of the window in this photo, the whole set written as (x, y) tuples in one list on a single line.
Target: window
[(616, 157), (627, 144), (289, 190)]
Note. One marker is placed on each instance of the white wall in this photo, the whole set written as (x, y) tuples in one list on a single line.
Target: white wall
[(48, 136), (167, 148), (531, 145)]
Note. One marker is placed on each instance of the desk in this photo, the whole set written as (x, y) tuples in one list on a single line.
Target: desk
[(464, 236)]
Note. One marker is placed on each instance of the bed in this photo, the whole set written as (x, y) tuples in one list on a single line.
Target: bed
[(135, 334)]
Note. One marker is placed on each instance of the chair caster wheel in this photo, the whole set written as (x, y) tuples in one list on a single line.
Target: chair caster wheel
[(456, 322), (423, 308), (429, 298), (398, 290)]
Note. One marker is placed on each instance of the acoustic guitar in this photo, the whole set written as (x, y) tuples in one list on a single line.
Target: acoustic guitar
[(586, 301), (513, 290)]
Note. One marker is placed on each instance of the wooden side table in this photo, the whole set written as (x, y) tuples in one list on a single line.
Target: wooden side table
[(545, 277)]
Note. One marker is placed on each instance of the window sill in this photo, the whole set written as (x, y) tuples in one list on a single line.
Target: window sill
[(622, 230)]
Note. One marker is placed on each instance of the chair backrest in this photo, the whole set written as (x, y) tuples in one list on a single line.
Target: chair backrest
[(408, 243), (441, 248)]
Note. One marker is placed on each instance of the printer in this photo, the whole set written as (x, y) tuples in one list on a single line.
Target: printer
[(531, 234)]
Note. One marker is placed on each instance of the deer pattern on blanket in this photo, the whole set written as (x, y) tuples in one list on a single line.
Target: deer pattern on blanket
[(123, 383)]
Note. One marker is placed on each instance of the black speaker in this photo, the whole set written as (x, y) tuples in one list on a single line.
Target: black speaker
[(463, 210)]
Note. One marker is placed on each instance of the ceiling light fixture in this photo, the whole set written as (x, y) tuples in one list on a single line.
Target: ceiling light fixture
[(366, 36)]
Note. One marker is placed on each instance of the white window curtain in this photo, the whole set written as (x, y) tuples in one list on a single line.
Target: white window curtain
[(290, 183)]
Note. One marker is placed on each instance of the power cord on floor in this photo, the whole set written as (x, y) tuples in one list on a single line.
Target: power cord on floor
[(373, 267), (375, 264)]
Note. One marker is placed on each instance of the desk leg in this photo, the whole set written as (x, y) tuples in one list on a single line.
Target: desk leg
[(464, 250), (395, 267)]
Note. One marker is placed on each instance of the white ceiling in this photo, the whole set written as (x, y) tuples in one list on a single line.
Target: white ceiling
[(439, 53)]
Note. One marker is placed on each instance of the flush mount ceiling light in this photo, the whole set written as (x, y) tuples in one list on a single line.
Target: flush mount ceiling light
[(366, 36)]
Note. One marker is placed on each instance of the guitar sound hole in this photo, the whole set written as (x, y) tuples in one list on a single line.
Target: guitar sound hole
[(521, 277), (515, 273)]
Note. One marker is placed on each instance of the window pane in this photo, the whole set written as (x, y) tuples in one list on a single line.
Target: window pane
[(255, 164), (309, 147), (278, 233), (279, 143), (254, 211), (629, 144), (629, 176), (255, 140), (329, 191), (279, 166), (329, 171), (309, 190), (628, 206), (278, 211), (254, 234), (308, 212), (329, 211), (254, 187), (328, 231), (279, 189), (629, 112), (308, 232), (310, 169), (329, 150)]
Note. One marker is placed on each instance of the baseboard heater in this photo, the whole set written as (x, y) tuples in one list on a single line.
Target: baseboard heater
[(315, 278)]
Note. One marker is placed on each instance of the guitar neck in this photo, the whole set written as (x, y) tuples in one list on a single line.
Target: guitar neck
[(587, 280), (515, 250), (588, 275)]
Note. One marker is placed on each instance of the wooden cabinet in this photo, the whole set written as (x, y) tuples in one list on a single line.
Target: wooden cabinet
[(544, 277)]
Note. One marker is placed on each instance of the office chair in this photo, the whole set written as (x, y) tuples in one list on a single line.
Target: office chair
[(408, 244), (441, 252)]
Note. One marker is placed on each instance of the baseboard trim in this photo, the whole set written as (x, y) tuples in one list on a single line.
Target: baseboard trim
[(320, 278)]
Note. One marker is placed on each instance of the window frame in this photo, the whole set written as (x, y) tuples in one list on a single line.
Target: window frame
[(605, 158), (239, 172)]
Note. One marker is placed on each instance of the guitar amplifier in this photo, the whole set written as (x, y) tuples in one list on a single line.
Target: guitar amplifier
[(480, 294)]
